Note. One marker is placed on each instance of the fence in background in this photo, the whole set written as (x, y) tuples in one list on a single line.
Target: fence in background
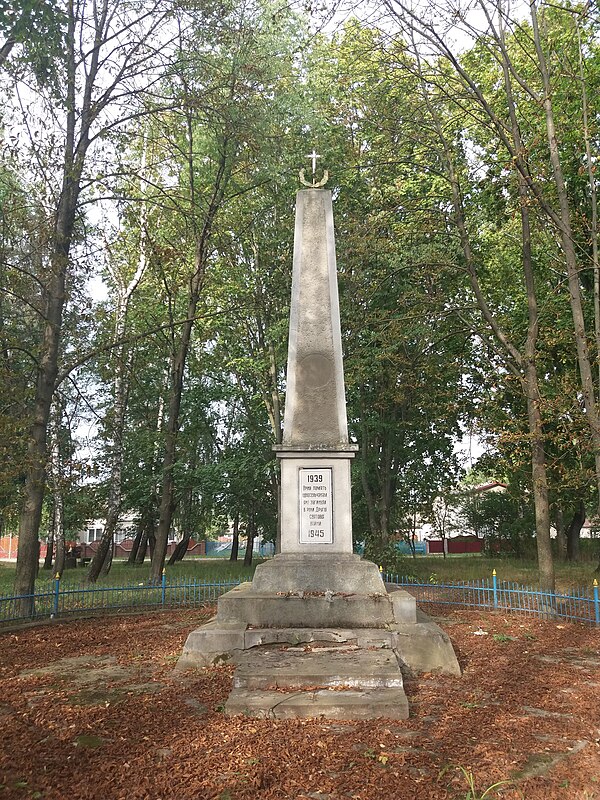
[(578, 605), (58, 600)]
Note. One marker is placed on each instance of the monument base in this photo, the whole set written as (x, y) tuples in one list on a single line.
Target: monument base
[(249, 622), (315, 609), (320, 604), (336, 681), (336, 635), (342, 573)]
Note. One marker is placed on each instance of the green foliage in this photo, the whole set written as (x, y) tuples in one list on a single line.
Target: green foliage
[(505, 519), (246, 90), (472, 792), (37, 28), (403, 369)]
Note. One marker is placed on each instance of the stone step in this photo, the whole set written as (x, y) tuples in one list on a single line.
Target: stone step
[(318, 667), (344, 704)]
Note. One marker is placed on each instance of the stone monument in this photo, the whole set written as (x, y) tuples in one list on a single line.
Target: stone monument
[(316, 589)]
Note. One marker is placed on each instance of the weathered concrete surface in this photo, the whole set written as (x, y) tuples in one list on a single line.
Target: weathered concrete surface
[(215, 641), (404, 606), (304, 610), (421, 647), (344, 573), (315, 406), (334, 681), (425, 647), (322, 667), (315, 428), (360, 637), (292, 461), (323, 703)]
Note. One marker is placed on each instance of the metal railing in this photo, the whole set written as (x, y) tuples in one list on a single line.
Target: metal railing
[(58, 600), (579, 605)]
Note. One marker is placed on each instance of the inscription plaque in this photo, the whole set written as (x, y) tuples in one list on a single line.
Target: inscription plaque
[(316, 512)]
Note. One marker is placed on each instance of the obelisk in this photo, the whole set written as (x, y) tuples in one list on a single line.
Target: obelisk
[(316, 589), (316, 513)]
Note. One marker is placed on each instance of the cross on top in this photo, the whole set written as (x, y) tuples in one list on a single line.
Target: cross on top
[(313, 156)]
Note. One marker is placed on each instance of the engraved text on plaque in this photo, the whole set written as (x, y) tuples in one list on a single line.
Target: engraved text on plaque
[(316, 505)]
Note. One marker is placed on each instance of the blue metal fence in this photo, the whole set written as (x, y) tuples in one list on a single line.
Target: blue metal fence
[(56, 599), (579, 605)]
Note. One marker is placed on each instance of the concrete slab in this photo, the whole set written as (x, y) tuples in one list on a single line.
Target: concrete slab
[(323, 703), (305, 610), (404, 605), (214, 641), (362, 637), (421, 647), (294, 572), (425, 647), (295, 667)]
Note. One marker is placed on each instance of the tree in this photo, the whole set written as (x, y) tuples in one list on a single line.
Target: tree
[(403, 351), (107, 48), (520, 55), (220, 148), (124, 286), (38, 27)]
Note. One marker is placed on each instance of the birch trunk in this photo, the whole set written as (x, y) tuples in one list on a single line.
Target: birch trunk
[(563, 220), (179, 359), (530, 380), (102, 560)]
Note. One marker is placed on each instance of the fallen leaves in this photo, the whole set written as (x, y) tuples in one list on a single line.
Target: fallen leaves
[(525, 711)]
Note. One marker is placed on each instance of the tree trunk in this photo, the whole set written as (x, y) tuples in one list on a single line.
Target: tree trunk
[(364, 478), (235, 545), (278, 433), (179, 359), (523, 366), (143, 548), (145, 535), (591, 175), (6, 48), (108, 559), (85, 38), (563, 221), (561, 536), (135, 545), (574, 532), (31, 513), (50, 545), (250, 535), (47, 370), (59, 536), (530, 384), (102, 561), (540, 484), (180, 549)]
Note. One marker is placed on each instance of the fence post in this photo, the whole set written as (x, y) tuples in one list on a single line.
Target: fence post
[(495, 587), (56, 593), (164, 586), (596, 602)]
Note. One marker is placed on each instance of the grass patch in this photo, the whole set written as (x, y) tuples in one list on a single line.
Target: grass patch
[(425, 569), (436, 569), (123, 574)]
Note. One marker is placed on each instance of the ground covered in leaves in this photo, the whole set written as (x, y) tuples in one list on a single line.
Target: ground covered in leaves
[(93, 709)]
